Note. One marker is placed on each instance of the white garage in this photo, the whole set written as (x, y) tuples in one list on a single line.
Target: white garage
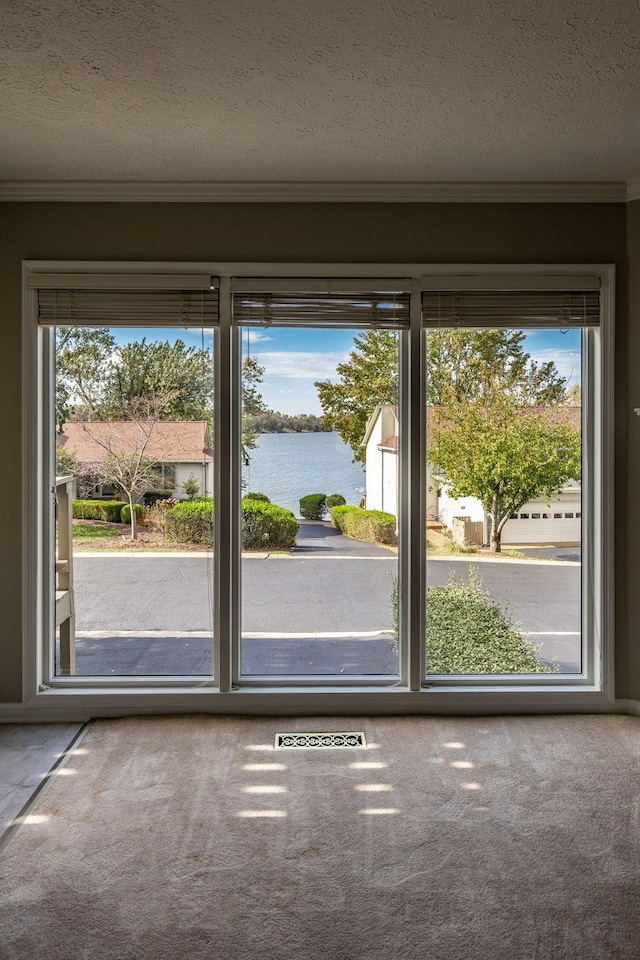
[(557, 523)]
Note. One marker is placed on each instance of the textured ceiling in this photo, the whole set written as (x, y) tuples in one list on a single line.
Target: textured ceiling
[(319, 90)]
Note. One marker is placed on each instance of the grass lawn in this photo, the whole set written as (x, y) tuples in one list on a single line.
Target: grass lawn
[(93, 531)]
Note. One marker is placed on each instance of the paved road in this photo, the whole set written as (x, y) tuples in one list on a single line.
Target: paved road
[(325, 609)]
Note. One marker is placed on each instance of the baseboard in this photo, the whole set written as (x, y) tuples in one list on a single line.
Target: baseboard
[(633, 707)]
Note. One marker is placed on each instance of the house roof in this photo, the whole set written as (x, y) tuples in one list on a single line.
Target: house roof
[(175, 441), (570, 415)]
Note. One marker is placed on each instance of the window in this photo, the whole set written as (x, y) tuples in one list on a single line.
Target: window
[(262, 621)]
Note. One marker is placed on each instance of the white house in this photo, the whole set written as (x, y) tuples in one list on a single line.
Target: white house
[(179, 449), (558, 522)]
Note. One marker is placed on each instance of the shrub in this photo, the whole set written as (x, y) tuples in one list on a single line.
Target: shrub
[(256, 496), (267, 525), (190, 521), (371, 525), (191, 487), (108, 510), (125, 513), (152, 496), (338, 515), (334, 500), (469, 631), (155, 516), (312, 507)]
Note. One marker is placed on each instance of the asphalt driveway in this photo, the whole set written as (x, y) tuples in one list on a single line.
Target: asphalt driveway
[(325, 609)]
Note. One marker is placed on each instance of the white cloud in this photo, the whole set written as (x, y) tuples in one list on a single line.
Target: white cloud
[(299, 365), (568, 362), (254, 336)]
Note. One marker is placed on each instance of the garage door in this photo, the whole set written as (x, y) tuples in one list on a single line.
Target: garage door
[(543, 526)]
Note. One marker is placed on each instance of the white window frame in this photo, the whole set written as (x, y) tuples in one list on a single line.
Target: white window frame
[(73, 698)]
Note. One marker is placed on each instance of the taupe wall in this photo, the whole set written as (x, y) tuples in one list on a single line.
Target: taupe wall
[(482, 233)]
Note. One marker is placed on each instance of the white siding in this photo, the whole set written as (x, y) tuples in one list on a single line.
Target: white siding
[(450, 507), (203, 474), (389, 482)]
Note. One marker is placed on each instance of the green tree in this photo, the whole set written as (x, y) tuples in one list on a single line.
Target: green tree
[(98, 379), (465, 365), (368, 377), (143, 369), (252, 404), (83, 365), (191, 487), (472, 365), (503, 453)]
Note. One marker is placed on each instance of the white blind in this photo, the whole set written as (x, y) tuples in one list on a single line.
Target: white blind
[(336, 308), (510, 308), (75, 307)]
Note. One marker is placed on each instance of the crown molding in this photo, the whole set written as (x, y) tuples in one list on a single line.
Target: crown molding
[(111, 191)]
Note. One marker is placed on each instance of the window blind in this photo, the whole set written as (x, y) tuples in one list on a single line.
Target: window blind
[(113, 306), (510, 308), (336, 308)]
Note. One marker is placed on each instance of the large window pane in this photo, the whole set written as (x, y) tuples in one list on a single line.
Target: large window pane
[(504, 501), (134, 415), (318, 588)]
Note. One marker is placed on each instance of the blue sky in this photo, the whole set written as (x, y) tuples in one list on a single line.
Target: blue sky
[(294, 358)]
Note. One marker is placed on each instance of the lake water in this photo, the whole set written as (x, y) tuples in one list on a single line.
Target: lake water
[(288, 466)]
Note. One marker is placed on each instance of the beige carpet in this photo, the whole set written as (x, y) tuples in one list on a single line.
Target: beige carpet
[(445, 839)]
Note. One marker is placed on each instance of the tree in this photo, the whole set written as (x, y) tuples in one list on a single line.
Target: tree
[(471, 365), (252, 404), (464, 365), (83, 363), (368, 377), (98, 379), (159, 368), (191, 487), (129, 466), (503, 453)]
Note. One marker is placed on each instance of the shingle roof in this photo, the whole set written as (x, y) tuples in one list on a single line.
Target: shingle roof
[(181, 441)]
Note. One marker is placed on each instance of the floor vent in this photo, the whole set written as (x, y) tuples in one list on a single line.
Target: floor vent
[(319, 741)]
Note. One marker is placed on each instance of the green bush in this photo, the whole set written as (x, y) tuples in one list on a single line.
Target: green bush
[(190, 521), (256, 496), (338, 515), (312, 507), (371, 525), (108, 510), (334, 500), (469, 631), (125, 513), (267, 526)]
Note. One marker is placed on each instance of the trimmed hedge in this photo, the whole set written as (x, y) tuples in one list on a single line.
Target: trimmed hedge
[(267, 526), (109, 510), (469, 631), (190, 521), (256, 496), (373, 526), (264, 524), (338, 515), (312, 507), (334, 500), (125, 513)]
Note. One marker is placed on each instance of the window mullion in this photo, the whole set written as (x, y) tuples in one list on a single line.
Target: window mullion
[(225, 573), (414, 508)]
